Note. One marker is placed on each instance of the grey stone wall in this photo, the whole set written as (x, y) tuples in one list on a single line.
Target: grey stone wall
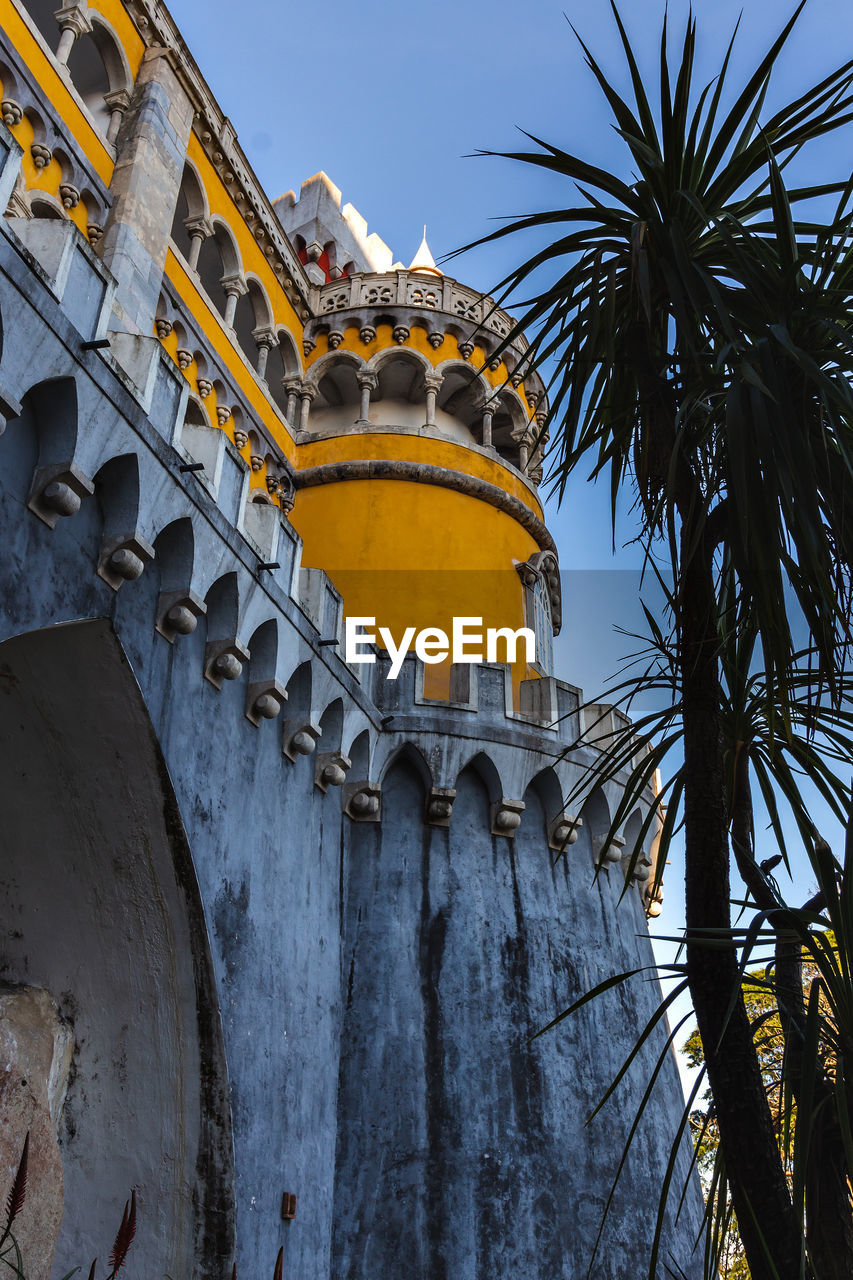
[(272, 987)]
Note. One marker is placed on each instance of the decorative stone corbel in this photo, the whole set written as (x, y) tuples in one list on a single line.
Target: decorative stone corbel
[(439, 806), (435, 338), (204, 386), (123, 559), (95, 232), (163, 327), (506, 817), (613, 853), (563, 831), (12, 112), (466, 349), (264, 700), (362, 801), (335, 339), (41, 154), (400, 333), (58, 491), (299, 738), (223, 413), (241, 437), (223, 660), (332, 770), (178, 613), (367, 333), (308, 345), (185, 358)]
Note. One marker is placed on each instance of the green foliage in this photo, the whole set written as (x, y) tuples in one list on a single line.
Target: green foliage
[(694, 327)]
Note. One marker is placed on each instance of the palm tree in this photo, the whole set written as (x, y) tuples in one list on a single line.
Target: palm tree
[(700, 343)]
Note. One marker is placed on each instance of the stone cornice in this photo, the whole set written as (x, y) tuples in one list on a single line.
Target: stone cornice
[(421, 473)]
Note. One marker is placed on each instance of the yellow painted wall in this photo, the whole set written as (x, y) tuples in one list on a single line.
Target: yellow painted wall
[(56, 89), (410, 554)]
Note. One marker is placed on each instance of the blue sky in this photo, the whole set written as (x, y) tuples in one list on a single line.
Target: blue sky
[(389, 97)]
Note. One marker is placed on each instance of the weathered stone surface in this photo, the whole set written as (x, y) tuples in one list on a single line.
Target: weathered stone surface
[(35, 1056)]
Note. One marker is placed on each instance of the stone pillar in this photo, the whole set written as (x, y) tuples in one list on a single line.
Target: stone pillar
[(368, 382), (489, 410), (292, 388), (523, 452), (73, 22), (118, 102), (198, 230), (433, 386), (234, 286), (307, 394), (144, 189), (265, 339)]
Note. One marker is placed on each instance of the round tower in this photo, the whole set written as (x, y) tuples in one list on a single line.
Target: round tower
[(420, 457)]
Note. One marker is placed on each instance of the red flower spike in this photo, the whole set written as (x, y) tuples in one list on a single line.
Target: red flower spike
[(18, 1194)]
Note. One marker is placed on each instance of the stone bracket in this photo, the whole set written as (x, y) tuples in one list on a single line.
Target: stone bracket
[(613, 853), (178, 613), (57, 491), (264, 700), (506, 817), (223, 660), (363, 801), (123, 558), (332, 770), (563, 831), (299, 738), (439, 806)]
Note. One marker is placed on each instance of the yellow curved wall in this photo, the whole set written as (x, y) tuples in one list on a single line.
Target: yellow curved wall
[(416, 555)]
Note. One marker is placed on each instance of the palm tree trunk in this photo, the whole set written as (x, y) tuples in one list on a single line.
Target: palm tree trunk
[(829, 1222), (766, 1219)]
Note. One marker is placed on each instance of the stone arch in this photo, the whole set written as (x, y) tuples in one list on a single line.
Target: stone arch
[(253, 312), (331, 361), (191, 204), (264, 647), (109, 919), (359, 752), (546, 786), (55, 409), (223, 608), (44, 205), (299, 691), (332, 725), (414, 758), (282, 363), (96, 69), (218, 258), (400, 371), (194, 414), (462, 394), (486, 770), (112, 51), (595, 815), (174, 547)]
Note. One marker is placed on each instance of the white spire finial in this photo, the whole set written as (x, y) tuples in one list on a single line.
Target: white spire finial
[(423, 259)]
